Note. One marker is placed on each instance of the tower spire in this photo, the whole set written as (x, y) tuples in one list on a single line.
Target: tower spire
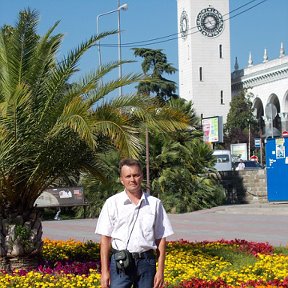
[(265, 56), (282, 50), (236, 66), (250, 61)]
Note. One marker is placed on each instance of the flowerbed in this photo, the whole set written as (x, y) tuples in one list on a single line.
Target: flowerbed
[(236, 263)]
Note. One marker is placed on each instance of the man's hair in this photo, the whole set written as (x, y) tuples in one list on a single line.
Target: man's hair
[(129, 162)]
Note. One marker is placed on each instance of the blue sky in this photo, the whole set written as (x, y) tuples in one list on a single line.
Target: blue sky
[(264, 26)]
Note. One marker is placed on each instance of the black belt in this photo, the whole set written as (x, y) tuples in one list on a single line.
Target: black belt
[(139, 255), (143, 255)]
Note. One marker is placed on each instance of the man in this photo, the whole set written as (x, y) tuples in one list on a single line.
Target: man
[(241, 165), (135, 221)]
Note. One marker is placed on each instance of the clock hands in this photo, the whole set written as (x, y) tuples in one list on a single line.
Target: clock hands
[(210, 22)]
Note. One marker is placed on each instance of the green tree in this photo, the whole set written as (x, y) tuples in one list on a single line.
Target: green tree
[(185, 182), (51, 131), (181, 166), (154, 65), (158, 140), (239, 118), (97, 190)]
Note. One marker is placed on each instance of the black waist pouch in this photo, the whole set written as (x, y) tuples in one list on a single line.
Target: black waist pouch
[(123, 259)]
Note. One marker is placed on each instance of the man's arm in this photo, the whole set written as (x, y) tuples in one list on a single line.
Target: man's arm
[(161, 253), (105, 246)]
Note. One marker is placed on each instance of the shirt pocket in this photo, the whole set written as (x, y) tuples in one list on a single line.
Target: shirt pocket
[(147, 226)]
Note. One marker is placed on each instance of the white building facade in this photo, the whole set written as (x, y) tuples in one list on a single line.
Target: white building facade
[(267, 85), (204, 56)]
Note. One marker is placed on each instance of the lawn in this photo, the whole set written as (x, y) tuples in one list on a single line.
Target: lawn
[(236, 263)]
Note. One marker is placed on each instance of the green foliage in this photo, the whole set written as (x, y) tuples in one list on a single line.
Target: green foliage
[(23, 234), (154, 65), (239, 118), (184, 182), (71, 250), (181, 170), (97, 190), (181, 167), (233, 255), (180, 163), (51, 131), (241, 112), (281, 250)]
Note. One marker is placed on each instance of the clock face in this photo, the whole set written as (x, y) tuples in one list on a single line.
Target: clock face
[(184, 24), (210, 22)]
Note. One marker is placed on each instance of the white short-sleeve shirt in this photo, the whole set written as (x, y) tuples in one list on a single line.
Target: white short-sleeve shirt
[(135, 227)]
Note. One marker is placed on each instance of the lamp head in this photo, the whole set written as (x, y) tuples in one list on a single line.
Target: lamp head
[(123, 7)]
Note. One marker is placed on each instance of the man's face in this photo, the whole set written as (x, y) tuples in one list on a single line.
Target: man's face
[(131, 177)]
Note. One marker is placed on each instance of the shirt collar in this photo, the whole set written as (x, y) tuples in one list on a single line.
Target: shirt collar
[(126, 199)]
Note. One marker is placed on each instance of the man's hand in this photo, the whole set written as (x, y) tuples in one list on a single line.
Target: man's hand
[(158, 280), (105, 245), (161, 251), (105, 279)]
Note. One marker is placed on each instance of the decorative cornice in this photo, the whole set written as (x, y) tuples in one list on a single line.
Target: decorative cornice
[(243, 79)]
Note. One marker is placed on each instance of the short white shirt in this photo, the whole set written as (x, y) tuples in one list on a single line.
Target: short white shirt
[(241, 166), (119, 214)]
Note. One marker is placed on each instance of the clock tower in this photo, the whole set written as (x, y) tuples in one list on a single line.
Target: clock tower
[(204, 56)]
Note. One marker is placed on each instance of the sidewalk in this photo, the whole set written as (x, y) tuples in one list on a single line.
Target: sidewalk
[(252, 222)]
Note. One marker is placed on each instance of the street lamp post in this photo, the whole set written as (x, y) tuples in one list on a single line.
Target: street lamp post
[(148, 188), (119, 8), (119, 47)]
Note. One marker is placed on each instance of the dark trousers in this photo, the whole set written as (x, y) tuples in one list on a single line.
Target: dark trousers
[(140, 274)]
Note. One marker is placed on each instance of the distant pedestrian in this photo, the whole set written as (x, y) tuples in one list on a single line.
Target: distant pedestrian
[(241, 165)]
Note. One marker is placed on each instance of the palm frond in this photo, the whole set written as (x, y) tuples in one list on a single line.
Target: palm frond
[(112, 85), (76, 117), (51, 130), (125, 138)]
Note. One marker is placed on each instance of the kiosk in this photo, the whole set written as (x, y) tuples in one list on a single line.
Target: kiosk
[(277, 169)]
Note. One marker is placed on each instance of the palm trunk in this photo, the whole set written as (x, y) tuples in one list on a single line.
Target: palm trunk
[(20, 242)]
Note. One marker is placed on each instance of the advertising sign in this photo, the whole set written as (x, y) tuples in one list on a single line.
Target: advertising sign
[(239, 151), (212, 129), (280, 148), (57, 197)]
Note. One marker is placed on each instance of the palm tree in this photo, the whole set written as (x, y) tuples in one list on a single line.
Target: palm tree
[(181, 166), (185, 182), (51, 130)]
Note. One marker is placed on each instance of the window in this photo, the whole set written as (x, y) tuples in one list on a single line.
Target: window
[(221, 98), (200, 74), (220, 51), (222, 158)]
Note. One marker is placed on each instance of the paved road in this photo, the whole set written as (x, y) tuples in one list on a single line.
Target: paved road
[(253, 222)]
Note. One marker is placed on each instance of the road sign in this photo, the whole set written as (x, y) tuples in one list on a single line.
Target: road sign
[(257, 142)]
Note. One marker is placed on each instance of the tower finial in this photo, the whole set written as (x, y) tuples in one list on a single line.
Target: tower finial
[(250, 61), (236, 66), (265, 56), (282, 50)]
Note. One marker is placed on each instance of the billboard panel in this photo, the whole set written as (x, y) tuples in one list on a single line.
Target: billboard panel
[(239, 151), (59, 197), (212, 129)]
